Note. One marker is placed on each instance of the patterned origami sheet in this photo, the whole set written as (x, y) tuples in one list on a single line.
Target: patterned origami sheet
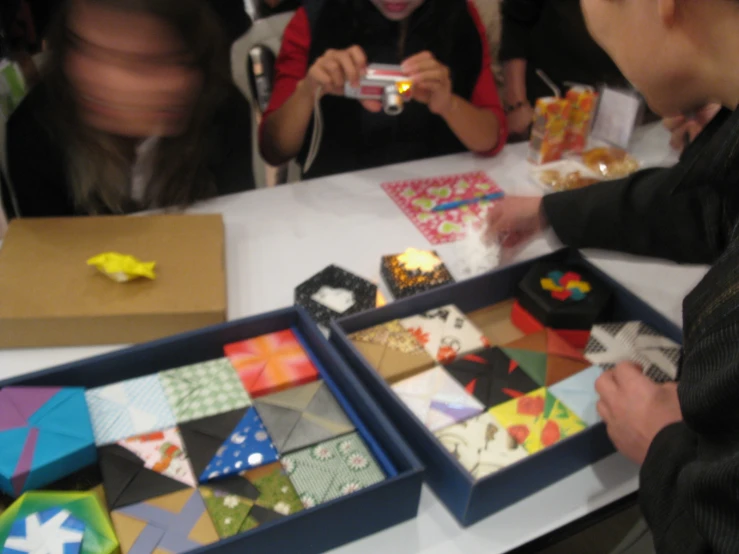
[(578, 394), (496, 324), (143, 467), (491, 377), (446, 333), (249, 446), (546, 357), (332, 469), (98, 537), (538, 420), (169, 524), (45, 434), (302, 416), (53, 531), (437, 399), (634, 342), (202, 390), (482, 445), (392, 350), (255, 497), (128, 408), (271, 363)]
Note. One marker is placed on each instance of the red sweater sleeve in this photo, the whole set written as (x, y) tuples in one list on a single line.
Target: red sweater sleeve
[(292, 62), (485, 94)]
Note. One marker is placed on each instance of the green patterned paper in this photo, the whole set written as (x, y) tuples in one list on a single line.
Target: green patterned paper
[(273, 497), (332, 469), (203, 390)]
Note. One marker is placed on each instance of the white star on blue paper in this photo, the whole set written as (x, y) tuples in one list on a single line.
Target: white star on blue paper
[(52, 531)]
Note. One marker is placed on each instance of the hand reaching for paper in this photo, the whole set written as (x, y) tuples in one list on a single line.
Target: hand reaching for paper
[(515, 220)]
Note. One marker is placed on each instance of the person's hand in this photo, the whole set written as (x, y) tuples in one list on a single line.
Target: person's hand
[(520, 119), (432, 84), (635, 409), (684, 129), (515, 220), (333, 70)]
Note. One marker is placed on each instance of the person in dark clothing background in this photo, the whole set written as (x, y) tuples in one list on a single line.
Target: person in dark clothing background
[(681, 54), (549, 35), (136, 110)]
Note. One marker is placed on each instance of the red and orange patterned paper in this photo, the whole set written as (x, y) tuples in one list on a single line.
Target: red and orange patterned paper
[(271, 363), (551, 122)]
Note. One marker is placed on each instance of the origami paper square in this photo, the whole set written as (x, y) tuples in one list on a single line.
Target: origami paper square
[(332, 469), (302, 416), (334, 293), (45, 433), (528, 324), (445, 333), (635, 342), (143, 467), (578, 394), (53, 531), (482, 445), (240, 503), (168, 524), (392, 350), (496, 324), (248, 446), (437, 399), (271, 363), (538, 420), (204, 389), (546, 357), (128, 408), (414, 271), (99, 537), (203, 438), (491, 377), (563, 296)]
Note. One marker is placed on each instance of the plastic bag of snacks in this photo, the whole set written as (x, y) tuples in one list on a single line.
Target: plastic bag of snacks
[(609, 162), (551, 118)]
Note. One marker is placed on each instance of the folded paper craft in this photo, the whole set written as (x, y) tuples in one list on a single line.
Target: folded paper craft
[(537, 420), (203, 438), (302, 416), (437, 399), (546, 357), (332, 469), (98, 537), (128, 408), (202, 390), (248, 446), (144, 467), (239, 503), (634, 342), (169, 524), (491, 376), (45, 433), (53, 531), (414, 271), (482, 445), (496, 324), (271, 363), (578, 394), (445, 333), (392, 350), (334, 293)]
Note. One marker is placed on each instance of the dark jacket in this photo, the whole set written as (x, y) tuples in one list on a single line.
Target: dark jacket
[(690, 214), (37, 167)]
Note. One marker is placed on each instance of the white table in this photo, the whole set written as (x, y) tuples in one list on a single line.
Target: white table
[(276, 238)]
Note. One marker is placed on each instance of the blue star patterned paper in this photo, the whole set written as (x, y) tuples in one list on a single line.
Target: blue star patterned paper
[(249, 446), (53, 531)]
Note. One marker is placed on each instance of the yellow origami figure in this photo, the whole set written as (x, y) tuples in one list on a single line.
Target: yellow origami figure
[(122, 268)]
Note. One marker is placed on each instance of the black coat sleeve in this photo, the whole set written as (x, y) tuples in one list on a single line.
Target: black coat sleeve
[(519, 16)]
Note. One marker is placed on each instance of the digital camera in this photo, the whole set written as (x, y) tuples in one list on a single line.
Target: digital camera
[(386, 83)]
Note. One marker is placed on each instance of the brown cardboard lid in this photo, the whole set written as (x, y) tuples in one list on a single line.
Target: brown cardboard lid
[(44, 272)]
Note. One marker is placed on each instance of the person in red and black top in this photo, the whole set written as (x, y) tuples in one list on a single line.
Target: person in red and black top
[(442, 47)]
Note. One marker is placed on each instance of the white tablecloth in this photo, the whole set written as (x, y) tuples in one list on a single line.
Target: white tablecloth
[(276, 238)]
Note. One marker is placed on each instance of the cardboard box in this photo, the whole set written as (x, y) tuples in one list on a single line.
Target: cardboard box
[(50, 297), (467, 497), (378, 506)]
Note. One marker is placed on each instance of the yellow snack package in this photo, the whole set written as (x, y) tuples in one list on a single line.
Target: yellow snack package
[(122, 268)]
